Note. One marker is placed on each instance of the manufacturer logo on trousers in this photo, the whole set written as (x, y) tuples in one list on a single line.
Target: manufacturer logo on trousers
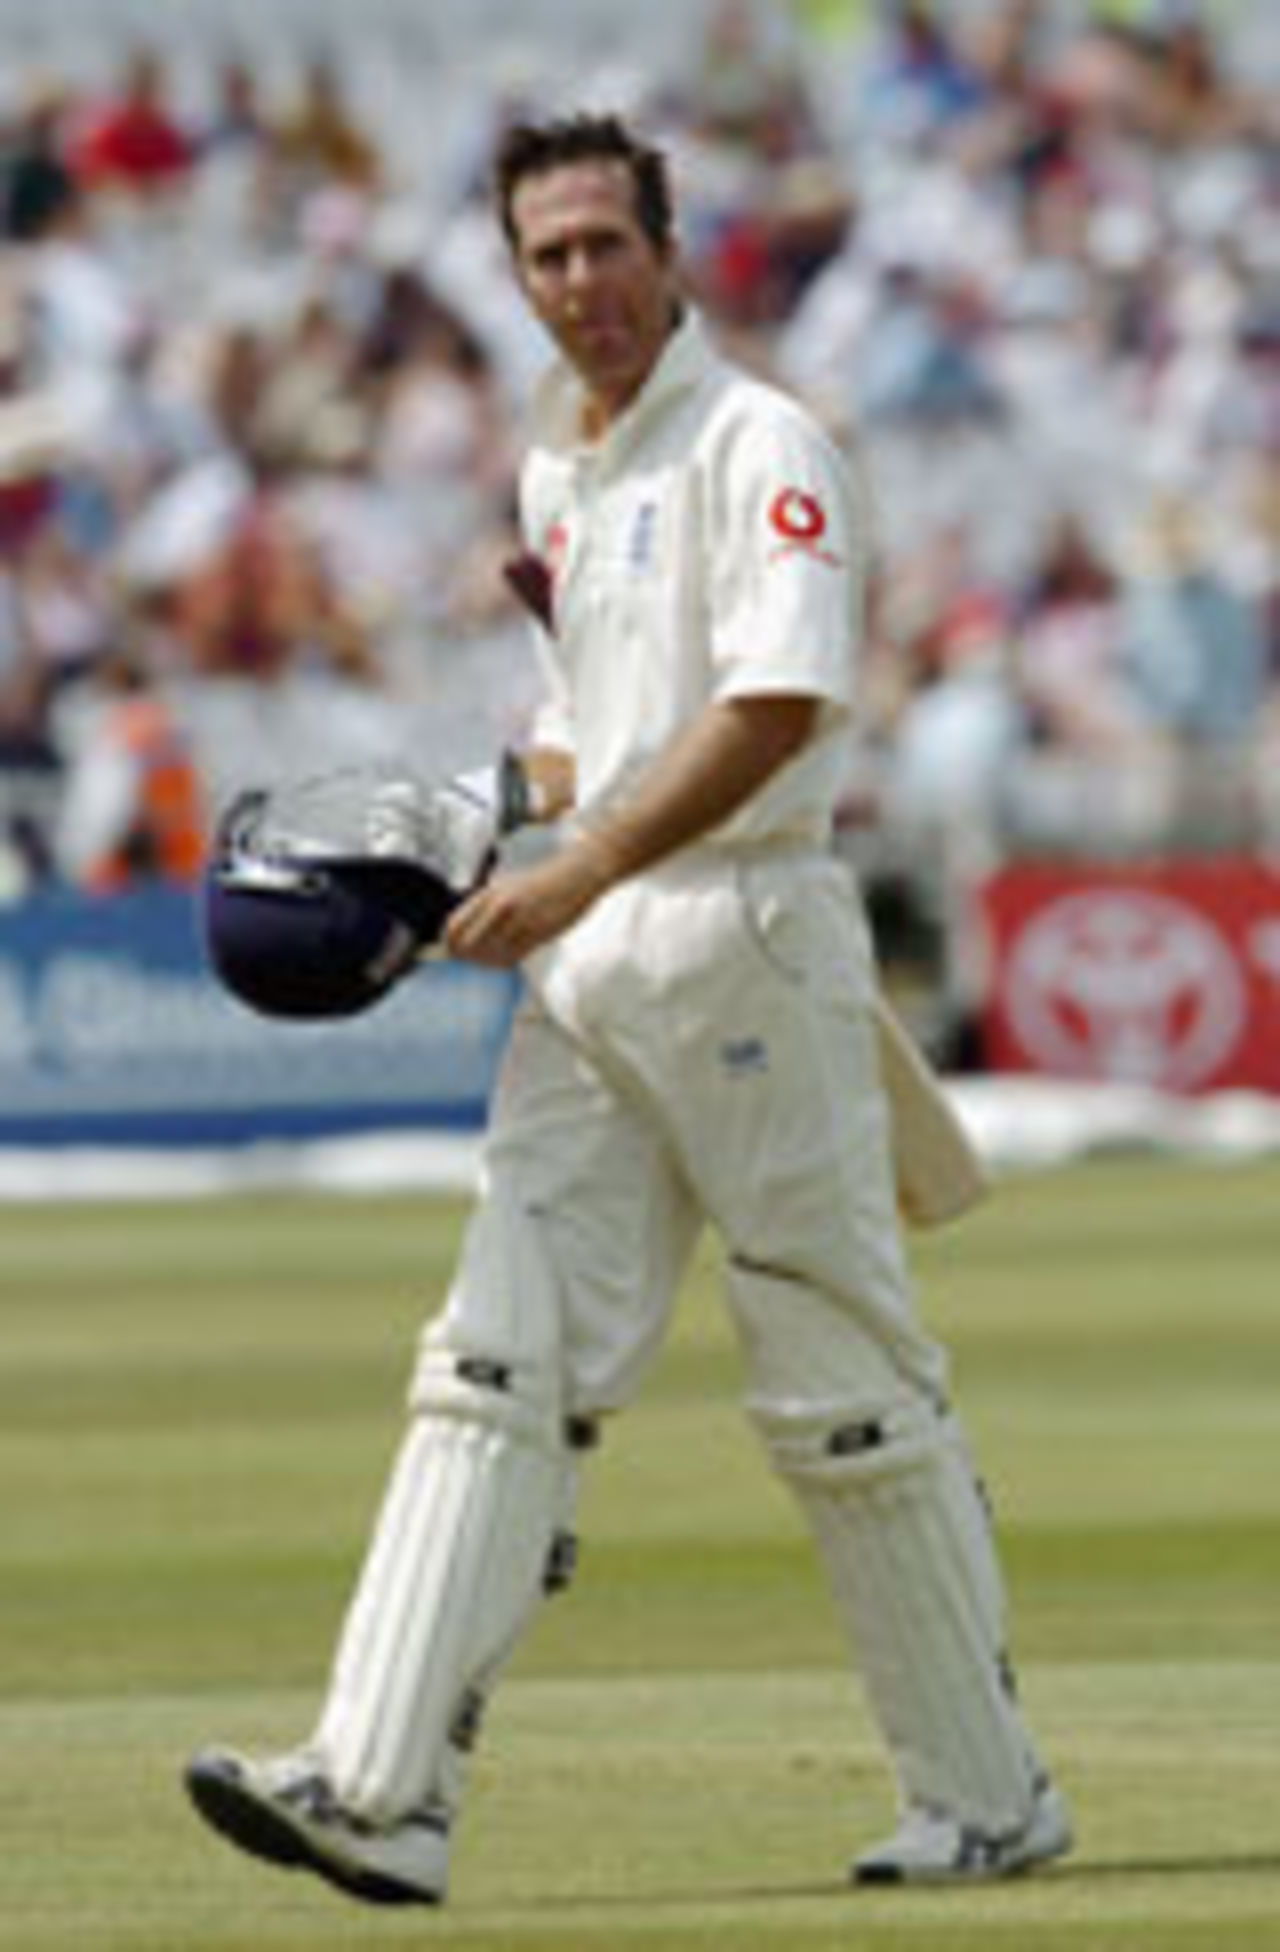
[(744, 1057)]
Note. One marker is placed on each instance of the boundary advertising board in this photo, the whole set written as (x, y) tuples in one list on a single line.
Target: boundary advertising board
[(112, 1031), (1165, 975)]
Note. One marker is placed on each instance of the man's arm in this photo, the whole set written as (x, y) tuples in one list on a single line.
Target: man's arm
[(720, 760)]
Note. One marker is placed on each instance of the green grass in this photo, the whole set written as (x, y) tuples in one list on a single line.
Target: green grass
[(197, 1405)]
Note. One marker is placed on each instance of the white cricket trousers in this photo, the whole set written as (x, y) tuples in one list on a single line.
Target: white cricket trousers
[(698, 1049)]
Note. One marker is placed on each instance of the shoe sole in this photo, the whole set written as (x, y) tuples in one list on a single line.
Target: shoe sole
[(261, 1831), (1057, 1843), (892, 1875)]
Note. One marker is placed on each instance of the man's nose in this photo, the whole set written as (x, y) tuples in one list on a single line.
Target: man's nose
[(580, 271)]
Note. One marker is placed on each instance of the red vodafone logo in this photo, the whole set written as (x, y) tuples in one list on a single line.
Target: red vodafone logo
[(797, 516), (1125, 985), (801, 521)]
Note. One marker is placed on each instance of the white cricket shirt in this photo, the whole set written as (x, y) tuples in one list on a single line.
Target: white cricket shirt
[(712, 545)]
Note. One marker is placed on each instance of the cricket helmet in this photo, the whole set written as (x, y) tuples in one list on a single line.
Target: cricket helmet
[(298, 925)]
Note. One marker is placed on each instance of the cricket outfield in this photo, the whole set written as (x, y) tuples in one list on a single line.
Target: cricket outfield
[(198, 1403)]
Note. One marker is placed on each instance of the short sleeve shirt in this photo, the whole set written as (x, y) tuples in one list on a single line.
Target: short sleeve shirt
[(711, 546)]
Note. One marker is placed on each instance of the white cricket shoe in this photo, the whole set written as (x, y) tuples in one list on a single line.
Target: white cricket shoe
[(931, 1848), (283, 1811)]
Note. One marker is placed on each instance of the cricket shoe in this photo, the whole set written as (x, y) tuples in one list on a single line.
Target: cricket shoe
[(283, 1811), (931, 1848)]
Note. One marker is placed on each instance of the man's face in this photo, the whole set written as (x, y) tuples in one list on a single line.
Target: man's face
[(599, 284)]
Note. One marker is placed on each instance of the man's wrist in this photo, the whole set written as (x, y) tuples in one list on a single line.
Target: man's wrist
[(601, 845)]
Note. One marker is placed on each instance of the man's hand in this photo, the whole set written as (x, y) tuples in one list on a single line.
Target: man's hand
[(723, 756), (517, 912)]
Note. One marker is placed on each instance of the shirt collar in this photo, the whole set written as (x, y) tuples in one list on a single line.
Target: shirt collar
[(557, 405)]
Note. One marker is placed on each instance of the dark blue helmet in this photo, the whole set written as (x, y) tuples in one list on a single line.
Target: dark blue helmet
[(296, 930)]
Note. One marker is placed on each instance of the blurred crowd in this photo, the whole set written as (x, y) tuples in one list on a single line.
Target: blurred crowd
[(261, 392)]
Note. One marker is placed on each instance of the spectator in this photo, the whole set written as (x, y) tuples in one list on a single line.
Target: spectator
[(66, 606), (918, 79), (745, 83), (24, 690), (35, 182), (1070, 672), (959, 724), (958, 737), (319, 141), (1194, 648), (262, 603), (83, 318), (442, 433), (240, 118), (132, 812), (308, 375), (923, 359), (134, 141), (768, 207)]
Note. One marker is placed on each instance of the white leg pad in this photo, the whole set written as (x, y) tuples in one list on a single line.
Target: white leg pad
[(905, 1540), (456, 1568)]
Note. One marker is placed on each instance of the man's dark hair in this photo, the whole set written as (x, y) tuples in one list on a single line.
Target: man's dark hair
[(534, 148)]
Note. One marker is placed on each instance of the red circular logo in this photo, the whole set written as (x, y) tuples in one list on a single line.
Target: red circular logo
[(1127, 985), (797, 516)]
